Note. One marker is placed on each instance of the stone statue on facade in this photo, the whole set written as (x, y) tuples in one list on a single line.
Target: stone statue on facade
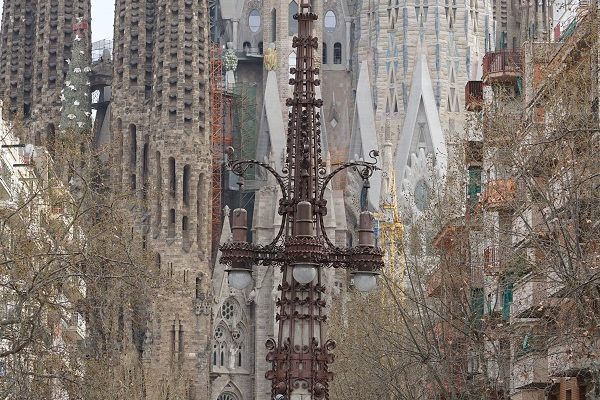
[(271, 58)]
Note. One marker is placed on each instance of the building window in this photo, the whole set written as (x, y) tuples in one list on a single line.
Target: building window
[(421, 195), (239, 357), (292, 23), (337, 53), (227, 310), (254, 20), (220, 333), (273, 25), (324, 57), (330, 21), (222, 355), (292, 62), (260, 48), (246, 46)]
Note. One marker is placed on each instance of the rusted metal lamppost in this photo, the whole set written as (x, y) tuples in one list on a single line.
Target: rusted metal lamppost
[(301, 355)]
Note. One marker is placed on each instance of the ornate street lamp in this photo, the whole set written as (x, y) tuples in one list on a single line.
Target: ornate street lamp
[(301, 354)]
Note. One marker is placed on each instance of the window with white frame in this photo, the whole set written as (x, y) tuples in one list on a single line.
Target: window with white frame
[(330, 21), (254, 20)]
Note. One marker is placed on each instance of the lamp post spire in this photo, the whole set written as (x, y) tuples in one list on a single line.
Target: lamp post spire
[(301, 354)]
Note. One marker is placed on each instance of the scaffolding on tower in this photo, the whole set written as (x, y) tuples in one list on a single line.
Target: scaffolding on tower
[(217, 137)]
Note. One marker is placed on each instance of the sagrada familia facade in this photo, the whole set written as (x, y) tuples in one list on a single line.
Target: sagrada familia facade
[(392, 76)]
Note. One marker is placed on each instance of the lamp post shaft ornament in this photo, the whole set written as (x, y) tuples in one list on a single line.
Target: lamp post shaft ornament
[(300, 355)]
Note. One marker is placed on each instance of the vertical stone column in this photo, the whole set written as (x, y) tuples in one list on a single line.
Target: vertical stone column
[(179, 131), (16, 51), (134, 28)]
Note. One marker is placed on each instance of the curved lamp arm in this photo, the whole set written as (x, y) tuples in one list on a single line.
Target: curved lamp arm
[(365, 170), (240, 167)]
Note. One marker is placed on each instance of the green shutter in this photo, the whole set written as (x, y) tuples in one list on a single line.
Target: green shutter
[(507, 298), (474, 186)]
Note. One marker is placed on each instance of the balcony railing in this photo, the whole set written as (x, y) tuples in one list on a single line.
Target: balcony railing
[(474, 95), (501, 65), (530, 371), (529, 296), (499, 194)]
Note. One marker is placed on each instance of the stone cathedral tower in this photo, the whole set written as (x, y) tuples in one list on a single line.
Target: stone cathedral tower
[(420, 55), (37, 39), (160, 130)]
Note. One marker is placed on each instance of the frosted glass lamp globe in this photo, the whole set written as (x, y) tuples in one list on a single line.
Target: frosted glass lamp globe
[(365, 281), (305, 272), (239, 278)]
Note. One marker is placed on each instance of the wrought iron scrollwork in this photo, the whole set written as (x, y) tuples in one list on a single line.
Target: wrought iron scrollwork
[(365, 169), (239, 168)]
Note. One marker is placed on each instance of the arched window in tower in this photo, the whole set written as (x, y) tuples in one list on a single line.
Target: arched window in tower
[(324, 57), (330, 21), (186, 185), (292, 23), (254, 20), (132, 155), (172, 178), (118, 139), (185, 233), (227, 396), (222, 350), (171, 229), (158, 195), (200, 210), (273, 25), (337, 53), (239, 356), (145, 161)]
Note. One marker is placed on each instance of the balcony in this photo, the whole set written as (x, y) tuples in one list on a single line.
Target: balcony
[(530, 371), (474, 96), (5, 181), (74, 326), (448, 330), (529, 297), (499, 194), (556, 286), (75, 289), (501, 66), (434, 282), (491, 261), (570, 357)]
